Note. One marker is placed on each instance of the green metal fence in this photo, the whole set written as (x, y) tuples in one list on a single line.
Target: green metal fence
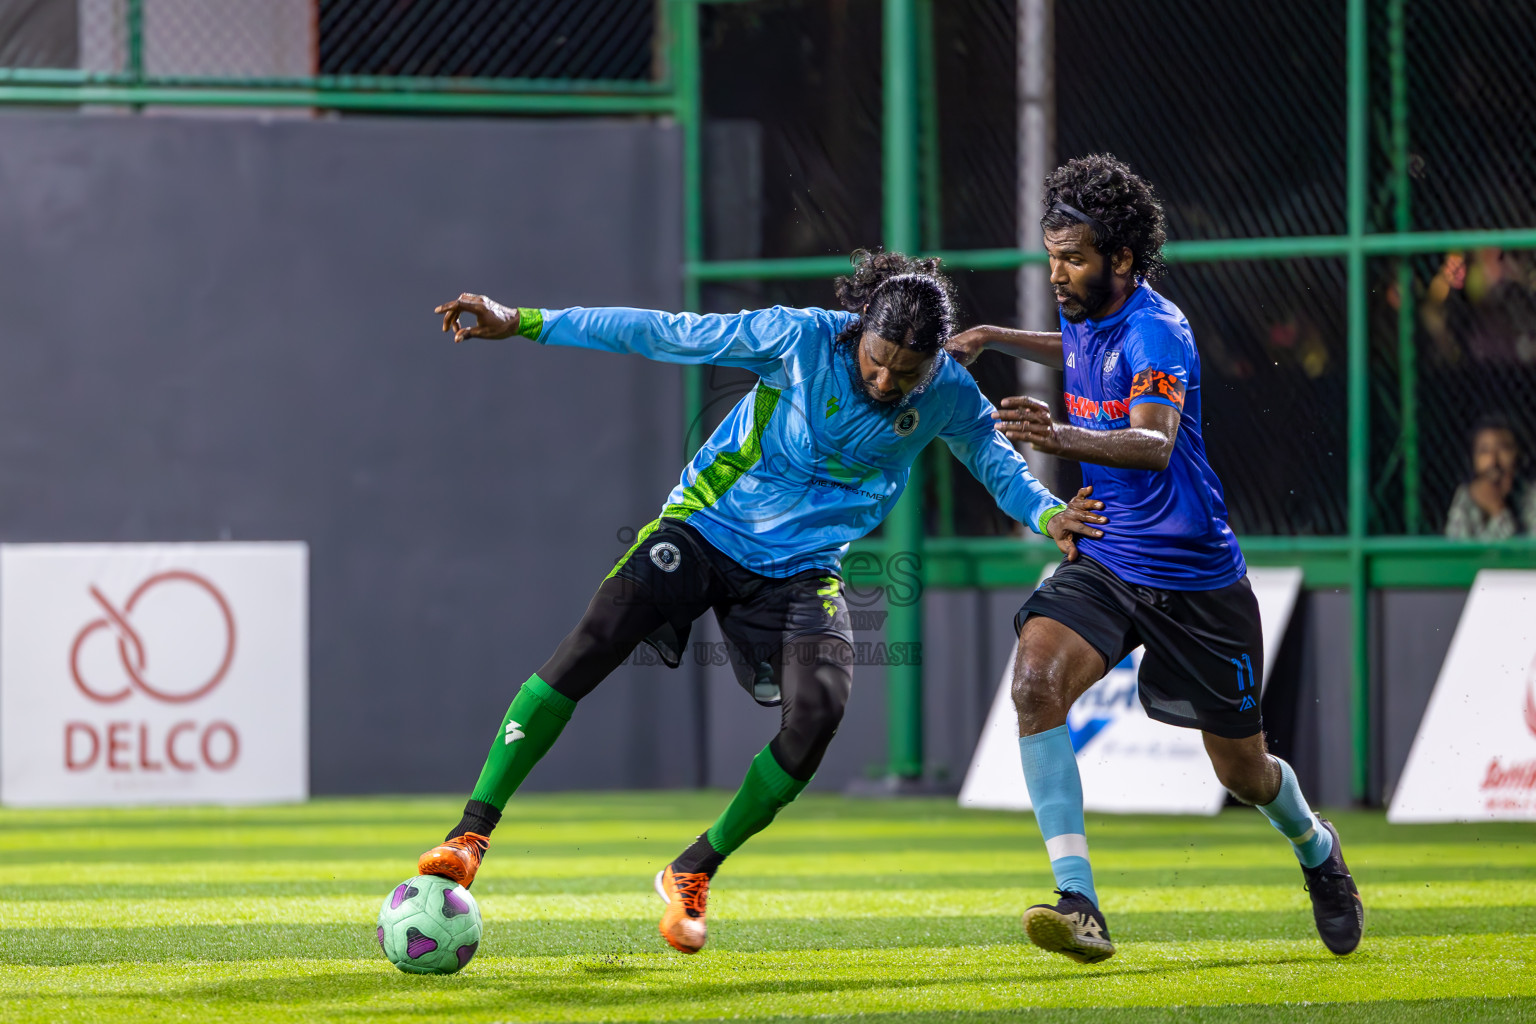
[(1369, 147), (1404, 132), (424, 56)]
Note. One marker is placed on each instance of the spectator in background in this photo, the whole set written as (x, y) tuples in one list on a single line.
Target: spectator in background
[(1494, 504), (1483, 306)]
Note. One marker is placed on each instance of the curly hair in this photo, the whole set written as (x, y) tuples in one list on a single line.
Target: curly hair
[(1125, 205), (901, 298)]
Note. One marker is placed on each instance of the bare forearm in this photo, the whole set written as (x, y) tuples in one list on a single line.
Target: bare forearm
[(1130, 448), (1035, 346)]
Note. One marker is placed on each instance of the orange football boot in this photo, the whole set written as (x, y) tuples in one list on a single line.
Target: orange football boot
[(684, 893), (457, 859)]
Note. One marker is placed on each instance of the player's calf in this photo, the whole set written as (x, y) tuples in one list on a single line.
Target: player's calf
[(1073, 927)]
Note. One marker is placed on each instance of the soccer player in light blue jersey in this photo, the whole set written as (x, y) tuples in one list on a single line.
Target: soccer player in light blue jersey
[(814, 457), (1170, 576)]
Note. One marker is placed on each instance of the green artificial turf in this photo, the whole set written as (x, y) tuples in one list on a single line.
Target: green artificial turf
[(896, 912)]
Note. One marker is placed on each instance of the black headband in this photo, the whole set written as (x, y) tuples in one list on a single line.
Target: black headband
[(1100, 232)]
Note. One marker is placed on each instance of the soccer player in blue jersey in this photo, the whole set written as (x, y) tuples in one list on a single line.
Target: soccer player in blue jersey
[(812, 458), (1170, 576)]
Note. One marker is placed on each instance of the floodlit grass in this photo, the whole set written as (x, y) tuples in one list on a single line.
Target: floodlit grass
[(899, 913)]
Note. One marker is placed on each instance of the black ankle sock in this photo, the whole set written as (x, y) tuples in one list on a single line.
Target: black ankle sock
[(699, 857), (479, 816)]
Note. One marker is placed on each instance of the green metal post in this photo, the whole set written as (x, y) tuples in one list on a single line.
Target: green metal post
[(686, 76), (904, 528), (928, 127), (1407, 354), (944, 487), (943, 462), (133, 29), (1359, 395)]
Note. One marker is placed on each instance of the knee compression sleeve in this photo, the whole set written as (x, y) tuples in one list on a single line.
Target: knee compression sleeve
[(816, 680)]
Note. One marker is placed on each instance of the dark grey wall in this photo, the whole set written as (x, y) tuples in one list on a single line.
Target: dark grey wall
[(1413, 638), (213, 329)]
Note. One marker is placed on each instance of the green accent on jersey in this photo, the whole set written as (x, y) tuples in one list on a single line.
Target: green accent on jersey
[(831, 406), (645, 531), (1048, 515), (728, 467), (530, 322), (829, 593)]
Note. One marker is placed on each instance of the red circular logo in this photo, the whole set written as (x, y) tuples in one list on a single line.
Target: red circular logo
[(131, 648)]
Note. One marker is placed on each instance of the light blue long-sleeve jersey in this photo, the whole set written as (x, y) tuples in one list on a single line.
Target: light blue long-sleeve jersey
[(804, 463)]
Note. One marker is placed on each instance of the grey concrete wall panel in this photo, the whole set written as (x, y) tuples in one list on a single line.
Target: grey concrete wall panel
[(1323, 745), (224, 330), (1416, 627), (739, 728), (967, 641)]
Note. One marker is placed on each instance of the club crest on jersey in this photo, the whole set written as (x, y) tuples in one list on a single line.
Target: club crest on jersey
[(907, 422), (1110, 361), (665, 556)]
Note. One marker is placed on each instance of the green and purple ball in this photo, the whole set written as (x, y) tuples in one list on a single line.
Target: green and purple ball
[(429, 925)]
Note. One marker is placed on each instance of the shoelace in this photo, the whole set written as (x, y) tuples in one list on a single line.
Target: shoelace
[(692, 890), (1328, 880), (473, 841)]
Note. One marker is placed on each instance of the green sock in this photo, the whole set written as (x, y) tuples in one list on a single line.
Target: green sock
[(763, 793), (532, 725)]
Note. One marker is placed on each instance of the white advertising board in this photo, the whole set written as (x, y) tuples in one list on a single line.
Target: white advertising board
[(1129, 763), (153, 673), (1474, 756)]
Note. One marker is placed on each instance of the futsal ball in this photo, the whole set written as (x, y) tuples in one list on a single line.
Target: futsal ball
[(429, 925)]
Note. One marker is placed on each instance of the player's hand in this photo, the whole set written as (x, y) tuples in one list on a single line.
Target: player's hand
[(967, 345), (1021, 418), (492, 319), (1082, 512)]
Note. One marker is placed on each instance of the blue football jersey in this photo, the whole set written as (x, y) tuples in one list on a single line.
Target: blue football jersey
[(803, 464), (1166, 529)]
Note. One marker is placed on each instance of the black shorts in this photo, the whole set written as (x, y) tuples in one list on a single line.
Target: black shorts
[(684, 575), (1205, 648)]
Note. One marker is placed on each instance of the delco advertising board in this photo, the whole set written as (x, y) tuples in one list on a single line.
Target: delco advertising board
[(153, 673)]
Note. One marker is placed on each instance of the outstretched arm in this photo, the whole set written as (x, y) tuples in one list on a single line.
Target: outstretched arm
[(1036, 346), (761, 341)]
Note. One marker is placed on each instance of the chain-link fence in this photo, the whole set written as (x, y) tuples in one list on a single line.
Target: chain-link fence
[(523, 39), (1242, 125), (302, 42), (1453, 331)]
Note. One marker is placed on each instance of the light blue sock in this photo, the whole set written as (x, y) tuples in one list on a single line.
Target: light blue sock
[(1289, 813), (1056, 790)]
